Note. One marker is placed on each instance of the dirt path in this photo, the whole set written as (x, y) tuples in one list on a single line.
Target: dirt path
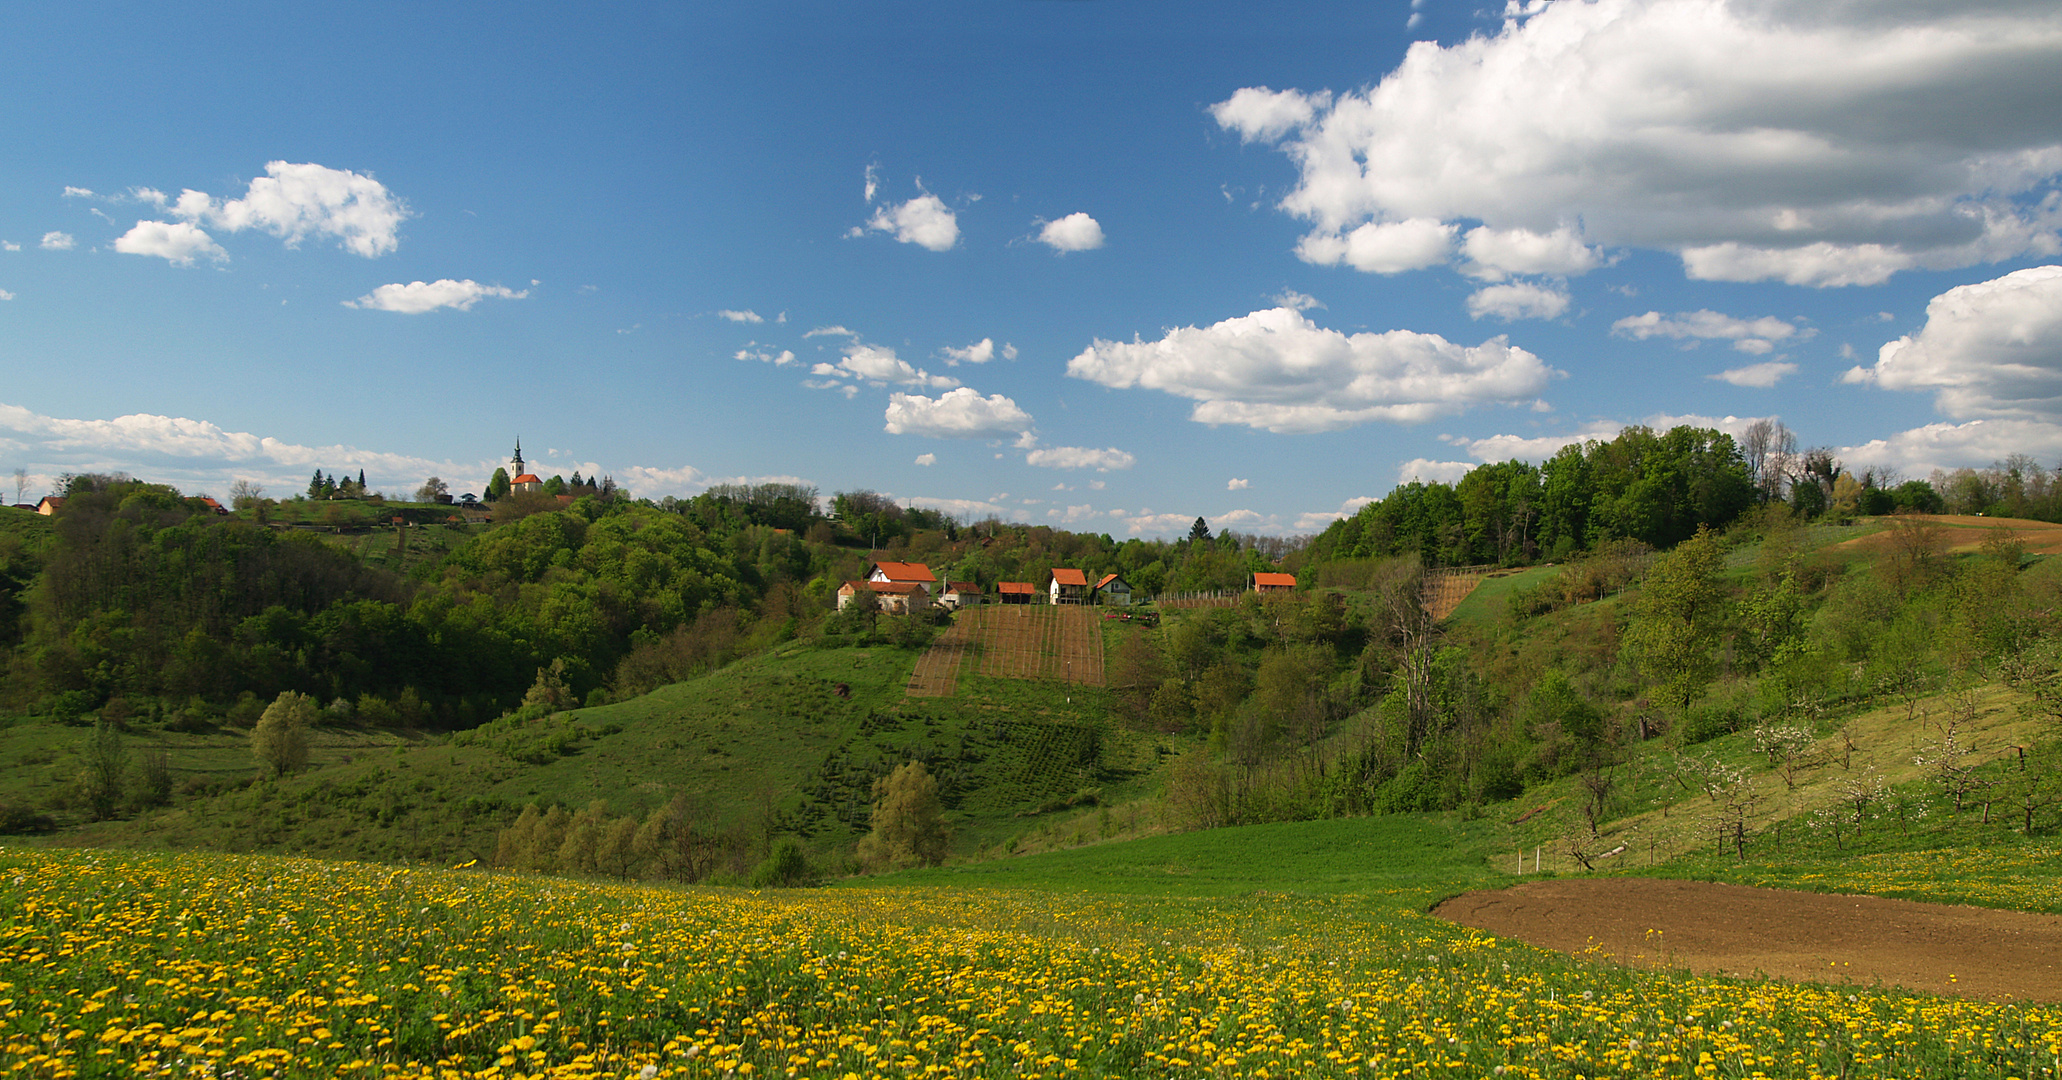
[(1819, 937)]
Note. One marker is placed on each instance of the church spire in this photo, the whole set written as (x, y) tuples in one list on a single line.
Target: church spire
[(519, 456)]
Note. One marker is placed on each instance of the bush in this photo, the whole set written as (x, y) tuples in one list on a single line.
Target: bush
[(786, 868), (1708, 723), (16, 819)]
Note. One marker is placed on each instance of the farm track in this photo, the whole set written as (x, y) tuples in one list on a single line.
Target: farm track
[(1063, 643)]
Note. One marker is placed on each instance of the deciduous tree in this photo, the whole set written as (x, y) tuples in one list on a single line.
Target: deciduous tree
[(1675, 625), (909, 826), (281, 738)]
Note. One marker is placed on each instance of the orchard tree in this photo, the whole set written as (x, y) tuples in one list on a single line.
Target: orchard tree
[(432, 490)]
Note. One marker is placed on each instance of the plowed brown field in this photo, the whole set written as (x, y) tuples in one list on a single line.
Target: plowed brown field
[(1719, 929), (1967, 532)]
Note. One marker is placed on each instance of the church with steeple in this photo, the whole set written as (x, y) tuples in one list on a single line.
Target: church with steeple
[(522, 479)]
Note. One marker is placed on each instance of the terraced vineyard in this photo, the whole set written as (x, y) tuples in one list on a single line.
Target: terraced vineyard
[(1028, 642)]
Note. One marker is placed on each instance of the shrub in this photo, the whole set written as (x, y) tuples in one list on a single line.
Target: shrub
[(785, 868)]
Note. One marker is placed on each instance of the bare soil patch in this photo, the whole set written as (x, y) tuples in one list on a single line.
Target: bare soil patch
[(1968, 532), (1716, 929)]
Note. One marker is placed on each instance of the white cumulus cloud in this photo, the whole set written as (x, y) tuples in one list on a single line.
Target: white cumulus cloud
[(58, 241), (1428, 471), (879, 365), (1236, 484), (766, 356), (927, 459), (1276, 370), (1259, 114), (746, 316), (1757, 376), (5, 295), (1316, 520), (1757, 336), (1529, 448), (1860, 140), (924, 221), (417, 297), (296, 201), (176, 242), (1993, 348), (1075, 232), (980, 352), (1493, 254), (1388, 247), (1518, 300), (956, 414), (1974, 444), (1080, 457)]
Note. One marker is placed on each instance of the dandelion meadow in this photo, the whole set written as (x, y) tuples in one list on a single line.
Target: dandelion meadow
[(120, 964)]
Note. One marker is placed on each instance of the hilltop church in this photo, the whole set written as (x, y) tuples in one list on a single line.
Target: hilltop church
[(521, 479)]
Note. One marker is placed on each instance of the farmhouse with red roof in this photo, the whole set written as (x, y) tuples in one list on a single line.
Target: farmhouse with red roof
[(1015, 592), (1274, 583), (904, 573), (1113, 590), (1068, 586)]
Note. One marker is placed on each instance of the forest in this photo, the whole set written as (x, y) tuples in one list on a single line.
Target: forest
[(139, 607)]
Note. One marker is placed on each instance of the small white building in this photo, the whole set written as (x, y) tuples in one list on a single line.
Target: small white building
[(1113, 590), (960, 595), (895, 597), (901, 573), (1068, 586)]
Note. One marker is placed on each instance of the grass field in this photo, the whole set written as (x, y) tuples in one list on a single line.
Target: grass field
[(1271, 952)]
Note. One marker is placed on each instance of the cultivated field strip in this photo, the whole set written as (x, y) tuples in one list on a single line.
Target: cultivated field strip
[(1446, 587), (1062, 643), (937, 670)]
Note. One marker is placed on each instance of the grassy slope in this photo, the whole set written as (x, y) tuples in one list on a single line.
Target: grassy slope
[(766, 734), (769, 732)]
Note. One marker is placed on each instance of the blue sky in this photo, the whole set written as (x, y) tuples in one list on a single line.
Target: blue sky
[(1104, 265)]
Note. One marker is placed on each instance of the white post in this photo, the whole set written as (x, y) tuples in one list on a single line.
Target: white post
[(1535, 860)]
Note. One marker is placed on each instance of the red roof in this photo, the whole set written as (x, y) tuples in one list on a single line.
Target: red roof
[(1105, 582), (964, 587), (1015, 587), (893, 588), (526, 478), (1274, 581), (904, 571), (1067, 576)]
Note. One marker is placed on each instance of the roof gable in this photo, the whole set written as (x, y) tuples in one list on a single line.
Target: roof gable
[(904, 571), (1069, 576), (1285, 581)]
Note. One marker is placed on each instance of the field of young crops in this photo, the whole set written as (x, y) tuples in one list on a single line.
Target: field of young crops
[(204, 965)]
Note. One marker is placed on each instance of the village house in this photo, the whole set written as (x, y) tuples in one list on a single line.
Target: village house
[(960, 595), (1015, 592), (50, 504), (1274, 583), (1113, 590), (896, 597), (1068, 586), (904, 573)]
